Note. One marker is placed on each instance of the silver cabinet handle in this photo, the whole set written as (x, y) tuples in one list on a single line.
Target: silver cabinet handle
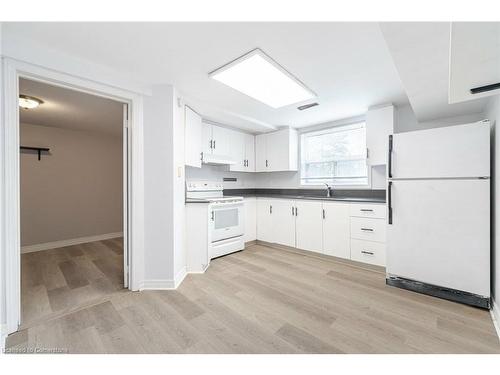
[(292, 211), (214, 144), (213, 216), (267, 164), (324, 214), (366, 209), (367, 229), (270, 208), (201, 156), (366, 252), (211, 144), (296, 212)]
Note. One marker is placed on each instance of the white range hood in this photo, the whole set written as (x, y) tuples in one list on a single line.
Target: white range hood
[(218, 159)]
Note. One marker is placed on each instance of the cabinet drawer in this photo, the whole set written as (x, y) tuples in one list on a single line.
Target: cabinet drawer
[(368, 210), (368, 229), (368, 252)]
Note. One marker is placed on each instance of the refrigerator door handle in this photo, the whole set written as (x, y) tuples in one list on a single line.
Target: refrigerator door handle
[(389, 158), (389, 202)]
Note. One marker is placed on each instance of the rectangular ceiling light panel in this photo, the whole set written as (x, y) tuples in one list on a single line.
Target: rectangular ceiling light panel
[(260, 77)]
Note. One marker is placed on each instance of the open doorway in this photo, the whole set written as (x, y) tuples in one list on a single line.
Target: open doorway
[(73, 199)]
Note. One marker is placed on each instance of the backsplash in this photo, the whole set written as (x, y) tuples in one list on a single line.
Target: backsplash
[(277, 180)]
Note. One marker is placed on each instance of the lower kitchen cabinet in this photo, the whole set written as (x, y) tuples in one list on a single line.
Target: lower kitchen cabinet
[(250, 219), (283, 222), (368, 252), (308, 225), (264, 220), (346, 230), (336, 229)]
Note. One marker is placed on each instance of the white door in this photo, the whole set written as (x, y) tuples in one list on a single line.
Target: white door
[(277, 151), (261, 153), (250, 219), (336, 229), (440, 233), (264, 222), (193, 134), (250, 152), (453, 151), (237, 147), (282, 215), (309, 226), (206, 139), (221, 141), (126, 205)]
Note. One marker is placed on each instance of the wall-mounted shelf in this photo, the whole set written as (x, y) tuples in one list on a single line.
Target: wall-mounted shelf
[(38, 149)]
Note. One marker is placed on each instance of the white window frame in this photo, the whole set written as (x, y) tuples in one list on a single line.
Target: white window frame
[(329, 129)]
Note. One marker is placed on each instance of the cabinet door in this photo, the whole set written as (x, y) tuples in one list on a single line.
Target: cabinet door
[(379, 124), (250, 152), (264, 222), (260, 153), (250, 219), (206, 138), (221, 141), (309, 228), (336, 229), (193, 136), (283, 228), (237, 151), (277, 151)]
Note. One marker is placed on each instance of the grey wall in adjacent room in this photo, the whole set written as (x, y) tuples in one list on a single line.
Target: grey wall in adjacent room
[(75, 191)]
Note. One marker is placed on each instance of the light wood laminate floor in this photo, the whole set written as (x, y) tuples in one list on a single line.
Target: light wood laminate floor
[(59, 280), (268, 300)]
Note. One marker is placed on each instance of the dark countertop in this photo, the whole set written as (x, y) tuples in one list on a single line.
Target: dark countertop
[(355, 196)]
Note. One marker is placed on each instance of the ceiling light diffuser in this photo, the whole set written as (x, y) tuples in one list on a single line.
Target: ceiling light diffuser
[(257, 75), (29, 102)]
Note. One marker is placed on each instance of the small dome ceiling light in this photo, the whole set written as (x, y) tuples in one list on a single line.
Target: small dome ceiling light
[(29, 102)]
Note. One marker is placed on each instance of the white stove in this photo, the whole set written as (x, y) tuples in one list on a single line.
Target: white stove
[(225, 216)]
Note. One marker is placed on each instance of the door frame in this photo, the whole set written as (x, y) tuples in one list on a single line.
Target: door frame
[(12, 71)]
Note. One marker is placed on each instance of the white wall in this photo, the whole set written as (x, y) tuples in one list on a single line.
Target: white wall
[(163, 187), (493, 114)]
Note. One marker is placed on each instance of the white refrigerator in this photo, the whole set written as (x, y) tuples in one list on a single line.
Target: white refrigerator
[(438, 202)]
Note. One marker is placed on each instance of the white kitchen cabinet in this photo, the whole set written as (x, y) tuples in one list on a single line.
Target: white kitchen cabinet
[(264, 220), (243, 152), (277, 151), (379, 125), (309, 225), (336, 229), (283, 222), (261, 153), (250, 219), (216, 142), (250, 152), (368, 252), (193, 138)]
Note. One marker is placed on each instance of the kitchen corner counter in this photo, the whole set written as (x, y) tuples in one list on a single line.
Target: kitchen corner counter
[(352, 196)]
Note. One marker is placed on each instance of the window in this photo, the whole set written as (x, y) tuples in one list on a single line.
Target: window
[(336, 156)]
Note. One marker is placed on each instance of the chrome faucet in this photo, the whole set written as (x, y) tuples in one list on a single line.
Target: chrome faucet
[(329, 190)]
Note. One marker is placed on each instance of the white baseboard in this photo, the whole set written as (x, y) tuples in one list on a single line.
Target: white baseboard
[(70, 242), (495, 316), (179, 278), (165, 284)]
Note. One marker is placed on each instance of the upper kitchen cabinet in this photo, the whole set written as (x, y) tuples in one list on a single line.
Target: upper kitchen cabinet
[(379, 125), (193, 148), (216, 144), (277, 151), (243, 152)]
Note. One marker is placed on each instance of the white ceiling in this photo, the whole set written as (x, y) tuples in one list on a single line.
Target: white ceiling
[(69, 109), (421, 53), (347, 64)]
